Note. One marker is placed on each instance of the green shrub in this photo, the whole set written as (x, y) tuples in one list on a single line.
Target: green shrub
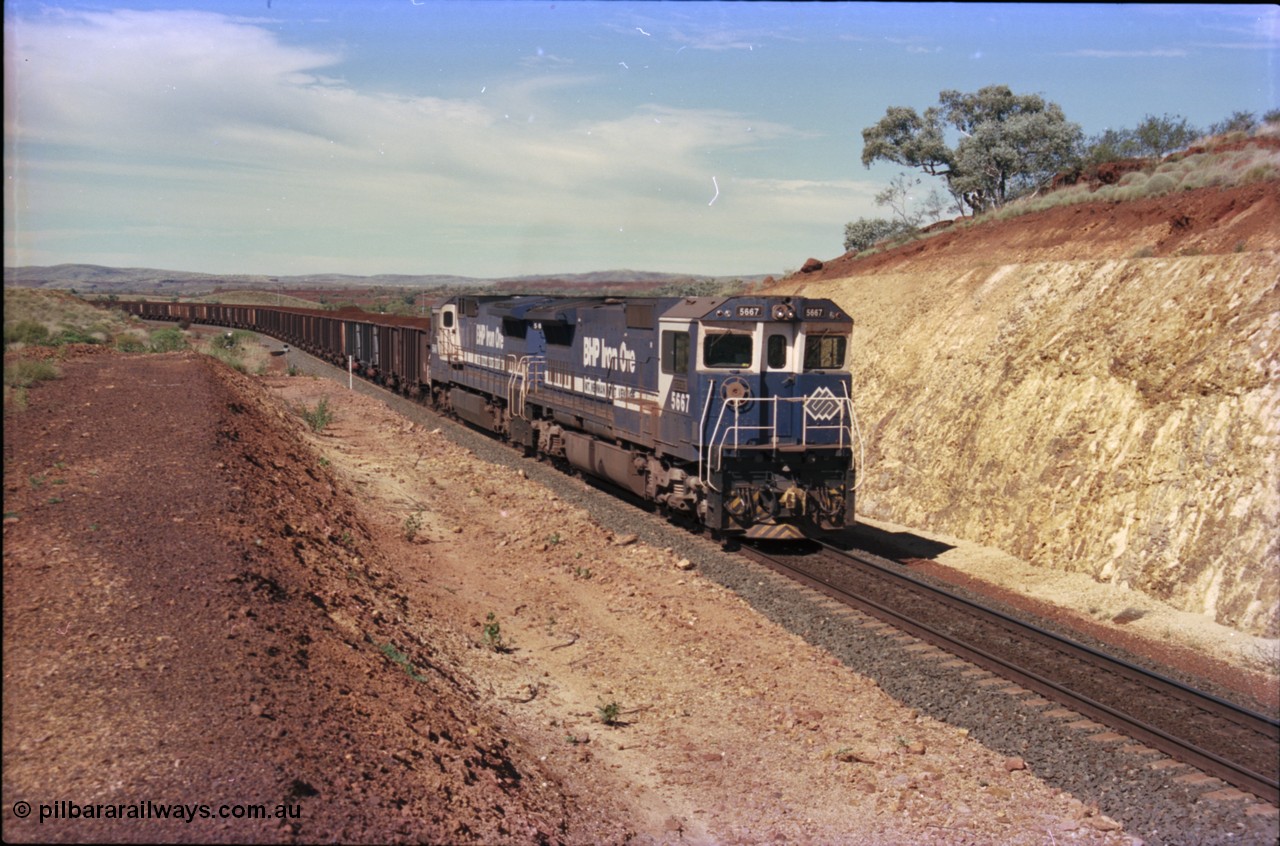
[(1160, 183), (130, 344), (167, 340), (1127, 193), (1260, 173), (412, 525), (1178, 173), (609, 713), (75, 336), (493, 634), (231, 348), (231, 358), (1194, 179), (20, 375), (29, 371), (319, 417), (864, 233), (26, 332), (398, 657), (44, 317), (15, 399), (233, 340)]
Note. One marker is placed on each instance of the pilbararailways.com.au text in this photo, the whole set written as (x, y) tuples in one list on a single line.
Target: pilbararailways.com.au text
[(64, 809)]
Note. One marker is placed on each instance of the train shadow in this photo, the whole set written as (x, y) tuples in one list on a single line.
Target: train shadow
[(896, 546)]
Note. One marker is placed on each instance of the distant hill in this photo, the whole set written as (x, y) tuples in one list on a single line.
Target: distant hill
[(96, 279)]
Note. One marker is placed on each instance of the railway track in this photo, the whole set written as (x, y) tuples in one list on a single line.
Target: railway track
[(1156, 804), (1221, 739)]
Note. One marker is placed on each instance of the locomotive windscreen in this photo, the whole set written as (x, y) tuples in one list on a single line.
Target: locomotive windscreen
[(727, 349), (825, 351)]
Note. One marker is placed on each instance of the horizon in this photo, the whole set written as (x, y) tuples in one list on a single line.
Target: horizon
[(623, 272), (495, 140)]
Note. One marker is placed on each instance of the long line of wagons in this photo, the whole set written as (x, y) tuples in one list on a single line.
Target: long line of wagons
[(733, 412)]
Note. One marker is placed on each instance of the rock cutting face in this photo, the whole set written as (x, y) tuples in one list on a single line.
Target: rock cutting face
[(1090, 388)]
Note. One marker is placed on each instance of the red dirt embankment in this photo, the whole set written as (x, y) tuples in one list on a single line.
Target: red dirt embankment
[(181, 585), (207, 603), (1201, 222)]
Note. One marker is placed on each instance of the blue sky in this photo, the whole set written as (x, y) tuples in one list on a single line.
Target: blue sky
[(495, 139)]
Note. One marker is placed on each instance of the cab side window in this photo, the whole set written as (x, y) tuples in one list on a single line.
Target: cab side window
[(675, 352), (824, 352), (776, 352), (723, 349)]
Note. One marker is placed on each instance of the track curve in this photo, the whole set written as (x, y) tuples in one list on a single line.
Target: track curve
[(1218, 737)]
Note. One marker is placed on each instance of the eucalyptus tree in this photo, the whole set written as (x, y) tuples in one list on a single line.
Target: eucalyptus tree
[(989, 146)]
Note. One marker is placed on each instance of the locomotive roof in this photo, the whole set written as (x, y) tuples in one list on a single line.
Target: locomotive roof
[(694, 307), (565, 310), (551, 309), (518, 306), (755, 307)]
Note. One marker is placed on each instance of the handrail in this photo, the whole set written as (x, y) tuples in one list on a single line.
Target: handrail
[(817, 406), (702, 434), (856, 434), (527, 370), (449, 346)]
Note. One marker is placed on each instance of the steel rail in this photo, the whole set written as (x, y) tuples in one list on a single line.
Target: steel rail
[(1263, 786)]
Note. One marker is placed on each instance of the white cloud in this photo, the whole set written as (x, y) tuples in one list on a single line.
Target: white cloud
[(133, 78), (189, 130), (1166, 53)]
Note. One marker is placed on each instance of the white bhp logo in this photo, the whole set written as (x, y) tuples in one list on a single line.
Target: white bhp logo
[(822, 405), (596, 353)]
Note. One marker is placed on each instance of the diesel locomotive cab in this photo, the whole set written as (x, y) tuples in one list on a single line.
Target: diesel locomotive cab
[(765, 386)]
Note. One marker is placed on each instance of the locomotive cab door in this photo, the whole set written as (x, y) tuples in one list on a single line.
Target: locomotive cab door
[(448, 334), (779, 368), (779, 340), (675, 372)]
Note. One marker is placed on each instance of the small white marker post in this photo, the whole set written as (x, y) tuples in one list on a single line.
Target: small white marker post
[(349, 366)]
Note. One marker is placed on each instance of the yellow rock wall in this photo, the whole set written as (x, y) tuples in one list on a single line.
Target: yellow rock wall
[(1115, 417)]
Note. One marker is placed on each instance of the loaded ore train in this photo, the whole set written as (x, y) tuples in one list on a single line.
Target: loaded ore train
[(732, 412)]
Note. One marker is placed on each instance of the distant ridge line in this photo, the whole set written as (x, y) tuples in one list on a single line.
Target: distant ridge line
[(93, 278)]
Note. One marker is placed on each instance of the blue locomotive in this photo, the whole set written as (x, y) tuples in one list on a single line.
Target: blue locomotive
[(732, 412)]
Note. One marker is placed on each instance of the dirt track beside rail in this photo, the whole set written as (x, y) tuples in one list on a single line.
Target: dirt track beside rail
[(207, 603)]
